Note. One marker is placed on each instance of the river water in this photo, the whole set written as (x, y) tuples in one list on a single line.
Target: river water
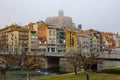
[(21, 74)]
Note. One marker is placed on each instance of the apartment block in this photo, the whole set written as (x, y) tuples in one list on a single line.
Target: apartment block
[(33, 37), (51, 39), (42, 37), (14, 38), (61, 40)]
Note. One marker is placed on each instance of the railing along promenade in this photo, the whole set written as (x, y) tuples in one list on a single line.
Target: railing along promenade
[(106, 55)]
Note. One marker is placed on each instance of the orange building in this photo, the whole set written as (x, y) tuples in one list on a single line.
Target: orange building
[(96, 39), (111, 40), (42, 36)]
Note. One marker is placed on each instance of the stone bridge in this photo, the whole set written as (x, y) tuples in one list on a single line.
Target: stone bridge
[(109, 60), (52, 60), (49, 54)]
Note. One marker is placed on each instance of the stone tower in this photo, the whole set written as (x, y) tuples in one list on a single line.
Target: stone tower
[(61, 13)]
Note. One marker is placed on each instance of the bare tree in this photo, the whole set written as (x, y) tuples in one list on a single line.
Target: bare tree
[(83, 60), (72, 58), (30, 62), (7, 58), (7, 61), (87, 60)]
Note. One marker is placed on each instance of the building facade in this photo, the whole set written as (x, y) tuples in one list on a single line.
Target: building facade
[(71, 40), (42, 37), (14, 38), (51, 39), (61, 40)]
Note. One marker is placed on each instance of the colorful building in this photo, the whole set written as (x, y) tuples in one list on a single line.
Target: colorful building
[(42, 37), (117, 42), (71, 40), (96, 40), (61, 40), (51, 39)]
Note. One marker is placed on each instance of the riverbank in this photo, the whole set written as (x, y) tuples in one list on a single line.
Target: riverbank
[(115, 70), (82, 76), (18, 74)]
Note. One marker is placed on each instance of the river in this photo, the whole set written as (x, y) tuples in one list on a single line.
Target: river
[(21, 74)]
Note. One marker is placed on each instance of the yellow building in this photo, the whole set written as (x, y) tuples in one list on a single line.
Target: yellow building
[(71, 40)]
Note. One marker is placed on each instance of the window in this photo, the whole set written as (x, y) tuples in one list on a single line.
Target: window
[(33, 42), (43, 42), (53, 49), (50, 33), (51, 44), (53, 41), (50, 41), (33, 36), (39, 42), (53, 33), (48, 49)]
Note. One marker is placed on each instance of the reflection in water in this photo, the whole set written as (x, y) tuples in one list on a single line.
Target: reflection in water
[(16, 75), (21, 74)]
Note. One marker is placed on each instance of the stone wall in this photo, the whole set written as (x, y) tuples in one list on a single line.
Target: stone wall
[(107, 64)]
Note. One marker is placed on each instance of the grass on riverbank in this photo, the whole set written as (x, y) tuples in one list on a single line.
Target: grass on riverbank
[(82, 76), (113, 70)]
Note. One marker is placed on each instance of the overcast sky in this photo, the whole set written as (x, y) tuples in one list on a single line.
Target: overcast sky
[(103, 15)]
